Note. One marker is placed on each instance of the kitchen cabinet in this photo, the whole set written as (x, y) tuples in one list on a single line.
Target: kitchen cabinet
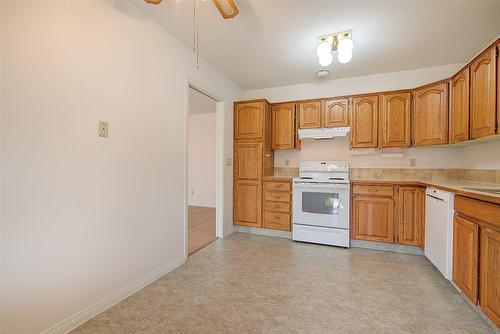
[(465, 256), (430, 126), (253, 160), (459, 107), (277, 204), (483, 113), (490, 274), (249, 120), (336, 113), (411, 215), (283, 123), (364, 124), (395, 113), (373, 218), (309, 114)]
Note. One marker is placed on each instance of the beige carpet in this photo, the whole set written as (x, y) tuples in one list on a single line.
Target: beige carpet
[(255, 284)]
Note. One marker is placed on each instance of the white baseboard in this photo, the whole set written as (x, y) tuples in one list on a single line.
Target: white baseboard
[(88, 313)]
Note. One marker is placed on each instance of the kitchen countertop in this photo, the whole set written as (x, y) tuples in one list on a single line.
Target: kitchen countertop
[(456, 186)]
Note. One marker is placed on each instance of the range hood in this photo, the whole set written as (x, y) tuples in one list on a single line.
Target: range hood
[(323, 133)]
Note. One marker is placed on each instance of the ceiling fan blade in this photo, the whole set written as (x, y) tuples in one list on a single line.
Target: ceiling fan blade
[(227, 8), (153, 2)]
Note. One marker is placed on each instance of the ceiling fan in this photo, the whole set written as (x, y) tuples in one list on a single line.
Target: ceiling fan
[(227, 8)]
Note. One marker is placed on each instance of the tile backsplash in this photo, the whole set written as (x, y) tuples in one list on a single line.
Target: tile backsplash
[(476, 175)]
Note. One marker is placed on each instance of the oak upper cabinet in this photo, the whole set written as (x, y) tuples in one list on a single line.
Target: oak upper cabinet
[(395, 113), (410, 215), (483, 113), (372, 218), (283, 123), (364, 123), (336, 113), (459, 107), (465, 256), (490, 274), (430, 126), (309, 114), (249, 120)]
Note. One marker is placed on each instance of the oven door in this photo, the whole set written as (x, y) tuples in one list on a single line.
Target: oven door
[(321, 204)]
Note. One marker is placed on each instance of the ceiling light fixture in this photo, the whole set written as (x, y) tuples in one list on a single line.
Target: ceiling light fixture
[(227, 8), (340, 42), (322, 73)]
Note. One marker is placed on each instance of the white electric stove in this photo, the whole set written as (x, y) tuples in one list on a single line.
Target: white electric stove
[(321, 203)]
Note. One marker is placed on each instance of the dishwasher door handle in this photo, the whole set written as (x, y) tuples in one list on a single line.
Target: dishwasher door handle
[(439, 199)]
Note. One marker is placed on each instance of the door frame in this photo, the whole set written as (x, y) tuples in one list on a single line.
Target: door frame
[(220, 154)]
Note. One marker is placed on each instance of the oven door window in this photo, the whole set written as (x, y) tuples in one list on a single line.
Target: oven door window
[(322, 203)]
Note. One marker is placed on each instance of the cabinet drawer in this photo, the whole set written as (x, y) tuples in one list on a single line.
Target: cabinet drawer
[(378, 190), (271, 185), (277, 196), (278, 221), (277, 206)]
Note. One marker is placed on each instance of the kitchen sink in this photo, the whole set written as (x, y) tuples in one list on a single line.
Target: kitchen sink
[(495, 191)]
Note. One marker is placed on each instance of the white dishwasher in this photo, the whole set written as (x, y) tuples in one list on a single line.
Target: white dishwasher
[(439, 229)]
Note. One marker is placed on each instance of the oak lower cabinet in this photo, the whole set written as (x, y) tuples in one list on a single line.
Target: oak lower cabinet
[(476, 254), (430, 115), (483, 109), (253, 160), (490, 274), (373, 218), (277, 204), (459, 107), (465, 256), (284, 127), (395, 113), (411, 215), (364, 122)]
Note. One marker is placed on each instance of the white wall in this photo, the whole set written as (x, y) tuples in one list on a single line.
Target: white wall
[(482, 156), (202, 150), (436, 157), (85, 216)]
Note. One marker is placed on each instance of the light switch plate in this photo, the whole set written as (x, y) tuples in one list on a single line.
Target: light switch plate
[(229, 162), (103, 130)]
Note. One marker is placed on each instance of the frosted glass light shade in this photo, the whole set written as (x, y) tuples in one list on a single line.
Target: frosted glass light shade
[(326, 60), (344, 57), (345, 45), (324, 48)]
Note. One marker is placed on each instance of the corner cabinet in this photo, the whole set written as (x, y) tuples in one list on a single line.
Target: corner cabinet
[(283, 126), (430, 125), (309, 114), (253, 160), (483, 77), (395, 109), (364, 124), (411, 216), (459, 107)]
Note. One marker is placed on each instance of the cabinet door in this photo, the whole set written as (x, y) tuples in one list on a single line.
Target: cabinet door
[(283, 132), (490, 274), (395, 119), (336, 113), (248, 161), (249, 120), (364, 125), (421, 205), (410, 216), (373, 219), (309, 114), (247, 207), (465, 256), (483, 95), (459, 107), (431, 115)]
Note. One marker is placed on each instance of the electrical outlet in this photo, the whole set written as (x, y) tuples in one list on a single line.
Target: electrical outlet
[(413, 162), (229, 162), (192, 192), (287, 162), (103, 129)]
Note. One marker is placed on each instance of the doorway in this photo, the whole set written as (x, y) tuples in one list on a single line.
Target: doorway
[(202, 170)]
